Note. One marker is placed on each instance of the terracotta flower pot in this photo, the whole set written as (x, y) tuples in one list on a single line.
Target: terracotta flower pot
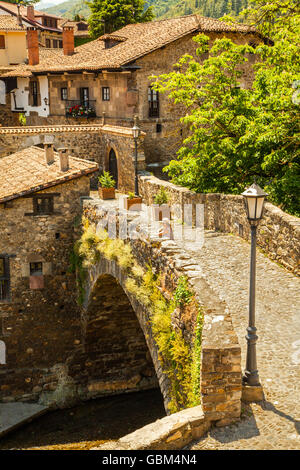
[(133, 204), (106, 193)]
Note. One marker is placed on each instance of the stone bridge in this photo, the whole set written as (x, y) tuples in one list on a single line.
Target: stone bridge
[(129, 324)]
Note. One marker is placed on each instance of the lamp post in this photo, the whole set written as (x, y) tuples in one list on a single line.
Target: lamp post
[(254, 200), (136, 133)]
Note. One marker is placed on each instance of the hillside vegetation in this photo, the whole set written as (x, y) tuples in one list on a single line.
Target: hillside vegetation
[(161, 8)]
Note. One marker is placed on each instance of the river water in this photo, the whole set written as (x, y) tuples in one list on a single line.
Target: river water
[(88, 424)]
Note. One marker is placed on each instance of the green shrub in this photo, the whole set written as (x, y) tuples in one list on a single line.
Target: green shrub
[(106, 180), (161, 197)]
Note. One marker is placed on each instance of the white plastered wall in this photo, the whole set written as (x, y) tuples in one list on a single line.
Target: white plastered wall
[(21, 93)]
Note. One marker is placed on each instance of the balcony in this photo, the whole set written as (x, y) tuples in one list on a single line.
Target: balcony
[(81, 109)]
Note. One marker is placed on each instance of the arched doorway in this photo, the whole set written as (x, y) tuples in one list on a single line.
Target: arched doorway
[(113, 165)]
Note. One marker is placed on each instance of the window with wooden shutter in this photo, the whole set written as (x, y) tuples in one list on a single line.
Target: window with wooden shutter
[(2, 41), (84, 96), (34, 93)]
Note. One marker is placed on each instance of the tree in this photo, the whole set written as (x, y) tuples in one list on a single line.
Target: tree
[(239, 134), (110, 15)]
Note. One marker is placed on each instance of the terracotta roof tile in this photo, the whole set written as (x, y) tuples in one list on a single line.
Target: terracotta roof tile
[(26, 172), (137, 40), (23, 10), (10, 23)]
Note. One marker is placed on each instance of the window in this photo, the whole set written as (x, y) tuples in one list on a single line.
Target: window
[(153, 101), (64, 94), (43, 205), (4, 278), (82, 27), (105, 93), (158, 128), (55, 43), (84, 96), (36, 269), (48, 43), (34, 93), (60, 44), (2, 42)]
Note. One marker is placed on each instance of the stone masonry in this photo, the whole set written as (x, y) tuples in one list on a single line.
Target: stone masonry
[(91, 142)]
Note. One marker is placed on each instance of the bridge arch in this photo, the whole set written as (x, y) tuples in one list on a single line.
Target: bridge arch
[(118, 347)]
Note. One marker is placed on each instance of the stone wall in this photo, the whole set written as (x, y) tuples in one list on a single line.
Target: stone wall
[(40, 327), (162, 146), (7, 117), (278, 232), (91, 142)]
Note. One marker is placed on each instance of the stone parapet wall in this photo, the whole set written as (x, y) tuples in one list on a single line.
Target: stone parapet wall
[(278, 232)]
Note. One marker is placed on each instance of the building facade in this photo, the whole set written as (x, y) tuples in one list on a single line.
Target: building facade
[(40, 198), (109, 79)]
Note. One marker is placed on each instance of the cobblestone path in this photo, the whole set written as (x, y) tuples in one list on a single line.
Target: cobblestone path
[(275, 423)]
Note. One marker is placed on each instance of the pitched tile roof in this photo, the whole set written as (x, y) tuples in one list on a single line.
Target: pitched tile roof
[(10, 23), (12, 7), (74, 24), (140, 39), (26, 172)]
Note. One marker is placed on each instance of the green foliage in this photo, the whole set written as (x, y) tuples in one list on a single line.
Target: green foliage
[(161, 197), (161, 8), (131, 195), (22, 119), (70, 8), (180, 362), (182, 295), (238, 134), (111, 15), (76, 266), (106, 180)]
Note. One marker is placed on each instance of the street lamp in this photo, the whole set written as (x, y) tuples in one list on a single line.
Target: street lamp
[(136, 133), (254, 198)]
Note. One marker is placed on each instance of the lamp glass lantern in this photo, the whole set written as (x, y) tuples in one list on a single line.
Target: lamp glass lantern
[(254, 198), (136, 131)]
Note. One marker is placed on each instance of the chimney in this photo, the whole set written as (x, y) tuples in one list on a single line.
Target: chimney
[(63, 159), (33, 46), (68, 40), (30, 12), (19, 17), (49, 154)]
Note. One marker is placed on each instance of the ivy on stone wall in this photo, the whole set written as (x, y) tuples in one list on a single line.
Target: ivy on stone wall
[(180, 361)]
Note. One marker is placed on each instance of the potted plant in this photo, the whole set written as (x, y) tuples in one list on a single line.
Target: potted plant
[(133, 202), (160, 208), (106, 189)]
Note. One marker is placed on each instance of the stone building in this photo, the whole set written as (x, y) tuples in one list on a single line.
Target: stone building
[(49, 33), (40, 202), (110, 78)]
